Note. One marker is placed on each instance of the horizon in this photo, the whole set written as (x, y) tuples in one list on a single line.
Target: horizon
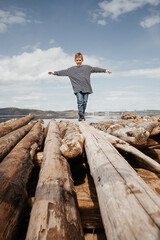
[(119, 35)]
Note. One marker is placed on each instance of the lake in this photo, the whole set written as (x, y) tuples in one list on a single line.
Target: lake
[(89, 118)]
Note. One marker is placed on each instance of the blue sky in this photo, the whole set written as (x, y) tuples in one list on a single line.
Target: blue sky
[(38, 36)]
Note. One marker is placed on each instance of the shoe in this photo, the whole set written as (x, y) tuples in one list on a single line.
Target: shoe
[(81, 118)]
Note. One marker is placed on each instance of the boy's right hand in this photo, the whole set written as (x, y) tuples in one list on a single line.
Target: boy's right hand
[(51, 73)]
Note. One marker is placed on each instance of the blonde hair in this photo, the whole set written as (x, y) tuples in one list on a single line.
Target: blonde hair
[(77, 55)]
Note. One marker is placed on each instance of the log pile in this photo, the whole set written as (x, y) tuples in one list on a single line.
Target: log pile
[(92, 178), (54, 211), (120, 191), (14, 171)]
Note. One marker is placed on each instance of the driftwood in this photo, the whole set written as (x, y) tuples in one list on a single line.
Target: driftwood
[(8, 141), (88, 204), (136, 136), (14, 174), (152, 179), (129, 208), (54, 214), (63, 127), (12, 125), (38, 159), (135, 132), (72, 143), (124, 146)]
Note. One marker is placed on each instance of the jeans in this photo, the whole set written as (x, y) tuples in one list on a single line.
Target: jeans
[(82, 99)]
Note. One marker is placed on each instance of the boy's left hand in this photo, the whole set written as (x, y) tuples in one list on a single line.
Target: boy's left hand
[(107, 71)]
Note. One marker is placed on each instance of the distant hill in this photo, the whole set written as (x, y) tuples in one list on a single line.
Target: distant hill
[(19, 112), (38, 113)]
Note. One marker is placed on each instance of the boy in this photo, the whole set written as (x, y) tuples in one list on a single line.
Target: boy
[(80, 79)]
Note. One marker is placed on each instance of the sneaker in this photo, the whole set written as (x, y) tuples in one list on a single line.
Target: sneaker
[(81, 118)]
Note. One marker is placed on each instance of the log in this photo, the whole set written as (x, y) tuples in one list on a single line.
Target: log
[(38, 159), (126, 147), (8, 141), (63, 127), (152, 127), (72, 143), (54, 214), (136, 136), (14, 173), (152, 179), (88, 204), (129, 208), (10, 126)]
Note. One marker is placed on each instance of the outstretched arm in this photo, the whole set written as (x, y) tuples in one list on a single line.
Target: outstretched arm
[(98, 70), (60, 73), (107, 71), (51, 73)]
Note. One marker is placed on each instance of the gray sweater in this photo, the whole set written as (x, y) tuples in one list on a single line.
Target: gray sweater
[(80, 77)]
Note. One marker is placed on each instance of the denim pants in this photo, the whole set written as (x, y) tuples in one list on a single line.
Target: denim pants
[(82, 99)]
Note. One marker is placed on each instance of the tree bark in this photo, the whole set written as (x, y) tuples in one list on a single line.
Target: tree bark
[(12, 125), (8, 141), (54, 214), (72, 143), (14, 174), (129, 208)]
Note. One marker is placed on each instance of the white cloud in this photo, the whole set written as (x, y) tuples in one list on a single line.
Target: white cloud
[(115, 8), (11, 17), (35, 65), (150, 21), (25, 83), (143, 73), (102, 22)]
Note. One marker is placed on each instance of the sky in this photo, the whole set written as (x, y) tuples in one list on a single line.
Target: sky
[(38, 36)]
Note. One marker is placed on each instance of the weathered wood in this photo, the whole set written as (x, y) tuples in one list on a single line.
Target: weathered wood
[(14, 174), (126, 147), (8, 141), (153, 127), (10, 126), (38, 159), (54, 214), (88, 204), (95, 235), (153, 152), (136, 136), (63, 127), (72, 143), (152, 179), (129, 208)]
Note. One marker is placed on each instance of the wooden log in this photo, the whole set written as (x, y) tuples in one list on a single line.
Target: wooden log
[(126, 147), (38, 159), (72, 143), (54, 214), (14, 124), (129, 208), (63, 127), (88, 203), (136, 136), (153, 127), (8, 141), (152, 179), (14, 174)]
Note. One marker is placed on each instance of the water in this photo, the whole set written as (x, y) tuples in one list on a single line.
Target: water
[(89, 119)]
